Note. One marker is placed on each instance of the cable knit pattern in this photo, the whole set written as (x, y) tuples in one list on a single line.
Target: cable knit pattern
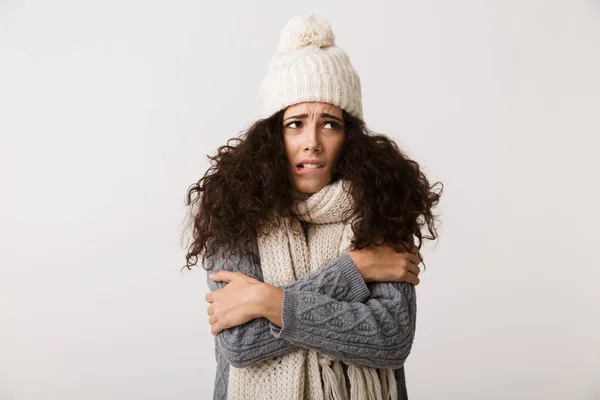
[(383, 322), (325, 329), (253, 342), (340, 282)]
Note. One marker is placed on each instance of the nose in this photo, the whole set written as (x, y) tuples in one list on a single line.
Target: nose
[(313, 142)]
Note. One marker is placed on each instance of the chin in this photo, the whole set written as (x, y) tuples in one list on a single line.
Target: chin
[(310, 186)]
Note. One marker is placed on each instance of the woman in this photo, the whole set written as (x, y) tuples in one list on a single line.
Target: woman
[(307, 224)]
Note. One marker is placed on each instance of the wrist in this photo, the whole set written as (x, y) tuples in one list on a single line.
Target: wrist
[(356, 258), (271, 304)]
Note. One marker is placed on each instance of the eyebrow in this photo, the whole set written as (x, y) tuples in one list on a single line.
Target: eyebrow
[(322, 115)]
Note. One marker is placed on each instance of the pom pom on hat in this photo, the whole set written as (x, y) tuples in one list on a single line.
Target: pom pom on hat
[(303, 31), (307, 67)]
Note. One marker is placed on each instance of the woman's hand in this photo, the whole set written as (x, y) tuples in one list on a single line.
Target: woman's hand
[(384, 264), (240, 301)]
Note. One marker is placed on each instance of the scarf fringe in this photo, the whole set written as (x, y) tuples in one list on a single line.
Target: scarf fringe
[(373, 384), (365, 383), (388, 384), (333, 379)]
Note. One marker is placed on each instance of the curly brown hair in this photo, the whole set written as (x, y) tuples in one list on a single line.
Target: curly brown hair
[(248, 182)]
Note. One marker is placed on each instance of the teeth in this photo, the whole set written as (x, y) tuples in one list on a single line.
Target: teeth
[(310, 165)]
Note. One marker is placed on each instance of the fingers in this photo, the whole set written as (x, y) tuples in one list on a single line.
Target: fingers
[(222, 276), (414, 280), (410, 273), (414, 269), (216, 325), (210, 311), (412, 258), (216, 328), (414, 250), (209, 297)]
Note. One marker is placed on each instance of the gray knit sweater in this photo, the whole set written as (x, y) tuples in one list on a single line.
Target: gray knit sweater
[(373, 324)]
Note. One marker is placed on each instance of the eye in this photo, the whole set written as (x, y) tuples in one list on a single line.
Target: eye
[(335, 124), (294, 122)]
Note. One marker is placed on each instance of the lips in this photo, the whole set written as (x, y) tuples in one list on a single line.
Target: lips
[(304, 171), (310, 162), (309, 166)]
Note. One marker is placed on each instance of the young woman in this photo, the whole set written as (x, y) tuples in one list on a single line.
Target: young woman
[(307, 223)]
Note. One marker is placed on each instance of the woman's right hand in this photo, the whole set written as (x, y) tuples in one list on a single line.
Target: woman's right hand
[(384, 264)]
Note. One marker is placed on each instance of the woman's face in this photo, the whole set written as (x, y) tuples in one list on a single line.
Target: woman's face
[(313, 135)]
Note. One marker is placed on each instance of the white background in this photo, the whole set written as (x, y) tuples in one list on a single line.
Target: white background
[(109, 108)]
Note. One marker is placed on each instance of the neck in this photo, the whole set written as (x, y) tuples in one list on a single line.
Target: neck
[(300, 195)]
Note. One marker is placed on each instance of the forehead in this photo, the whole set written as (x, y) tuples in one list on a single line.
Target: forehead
[(313, 108)]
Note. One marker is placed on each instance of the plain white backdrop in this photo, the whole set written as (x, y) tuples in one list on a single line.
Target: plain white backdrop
[(109, 108)]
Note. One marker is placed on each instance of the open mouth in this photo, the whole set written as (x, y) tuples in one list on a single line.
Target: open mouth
[(309, 166), (305, 168)]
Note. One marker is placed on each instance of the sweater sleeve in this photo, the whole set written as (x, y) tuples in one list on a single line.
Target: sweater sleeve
[(252, 342), (377, 333)]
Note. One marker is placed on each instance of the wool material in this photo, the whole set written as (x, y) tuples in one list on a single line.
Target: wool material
[(288, 254), (309, 66)]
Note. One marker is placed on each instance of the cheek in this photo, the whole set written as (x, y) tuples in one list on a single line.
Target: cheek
[(335, 148), (289, 145)]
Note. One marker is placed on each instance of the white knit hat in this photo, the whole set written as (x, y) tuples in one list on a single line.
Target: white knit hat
[(310, 67)]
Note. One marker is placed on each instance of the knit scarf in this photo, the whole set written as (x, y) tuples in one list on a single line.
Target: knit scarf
[(287, 254)]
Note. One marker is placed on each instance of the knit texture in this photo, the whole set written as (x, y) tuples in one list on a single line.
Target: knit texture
[(337, 284), (308, 66), (287, 254)]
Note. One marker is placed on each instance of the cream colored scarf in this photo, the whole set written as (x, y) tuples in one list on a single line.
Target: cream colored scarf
[(306, 374)]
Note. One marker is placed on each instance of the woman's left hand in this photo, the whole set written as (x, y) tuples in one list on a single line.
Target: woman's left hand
[(238, 302)]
